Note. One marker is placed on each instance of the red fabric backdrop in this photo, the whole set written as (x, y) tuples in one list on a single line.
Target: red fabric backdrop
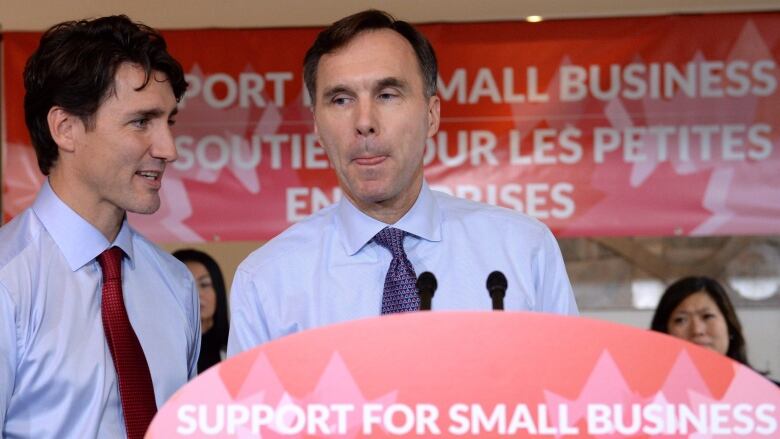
[(632, 126)]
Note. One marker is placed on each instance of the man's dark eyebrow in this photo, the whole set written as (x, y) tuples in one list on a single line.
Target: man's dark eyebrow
[(153, 113)]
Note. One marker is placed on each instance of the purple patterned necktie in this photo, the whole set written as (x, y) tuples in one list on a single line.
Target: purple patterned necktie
[(400, 293)]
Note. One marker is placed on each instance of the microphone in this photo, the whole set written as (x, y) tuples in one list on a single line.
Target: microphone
[(496, 286), (426, 286)]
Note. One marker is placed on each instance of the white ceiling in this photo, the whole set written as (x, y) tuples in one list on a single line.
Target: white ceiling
[(169, 14)]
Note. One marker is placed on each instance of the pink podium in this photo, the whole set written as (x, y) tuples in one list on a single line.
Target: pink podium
[(474, 375)]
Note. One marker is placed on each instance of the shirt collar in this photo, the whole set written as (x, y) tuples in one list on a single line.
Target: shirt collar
[(77, 239), (356, 228)]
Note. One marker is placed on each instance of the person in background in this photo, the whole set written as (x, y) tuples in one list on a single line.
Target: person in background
[(698, 309), (98, 326), (213, 305)]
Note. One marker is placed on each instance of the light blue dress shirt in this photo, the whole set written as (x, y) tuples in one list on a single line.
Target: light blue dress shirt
[(326, 269), (57, 378)]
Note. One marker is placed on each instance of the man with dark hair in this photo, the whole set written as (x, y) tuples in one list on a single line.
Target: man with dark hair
[(98, 326), (372, 81)]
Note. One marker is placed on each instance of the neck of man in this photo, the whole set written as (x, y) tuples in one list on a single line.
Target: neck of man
[(104, 216), (391, 210)]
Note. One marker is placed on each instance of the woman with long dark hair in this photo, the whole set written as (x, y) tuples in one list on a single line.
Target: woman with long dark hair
[(699, 310), (213, 305)]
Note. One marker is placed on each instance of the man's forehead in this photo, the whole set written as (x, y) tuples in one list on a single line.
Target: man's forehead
[(124, 98), (382, 53), (376, 41)]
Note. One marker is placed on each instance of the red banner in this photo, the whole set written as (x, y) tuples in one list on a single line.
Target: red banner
[(633, 126)]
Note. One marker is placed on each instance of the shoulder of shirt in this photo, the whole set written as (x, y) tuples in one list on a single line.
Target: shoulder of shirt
[(294, 242), (158, 257), (476, 214), (17, 236), (174, 274)]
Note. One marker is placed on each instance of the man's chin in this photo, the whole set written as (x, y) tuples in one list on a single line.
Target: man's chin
[(377, 196), (145, 208)]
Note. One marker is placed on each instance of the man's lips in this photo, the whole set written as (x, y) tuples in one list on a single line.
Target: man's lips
[(369, 161), (153, 178), (150, 175)]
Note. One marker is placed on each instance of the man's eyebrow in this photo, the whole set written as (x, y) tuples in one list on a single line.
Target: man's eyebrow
[(382, 83), (392, 82), (336, 89), (153, 113)]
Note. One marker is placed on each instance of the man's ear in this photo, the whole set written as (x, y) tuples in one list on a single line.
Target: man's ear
[(434, 115), (314, 121), (64, 128)]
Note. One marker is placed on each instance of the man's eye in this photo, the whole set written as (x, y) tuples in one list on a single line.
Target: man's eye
[(386, 96), (140, 123), (340, 100), (171, 122)]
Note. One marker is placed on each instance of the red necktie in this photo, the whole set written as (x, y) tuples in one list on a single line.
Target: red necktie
[(135, 382)]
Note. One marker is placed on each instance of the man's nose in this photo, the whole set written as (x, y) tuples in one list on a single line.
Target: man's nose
[(163, 145), (366, 123)]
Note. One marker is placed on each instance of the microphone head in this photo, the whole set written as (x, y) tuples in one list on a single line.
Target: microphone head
[(496, 280), (427, 282)]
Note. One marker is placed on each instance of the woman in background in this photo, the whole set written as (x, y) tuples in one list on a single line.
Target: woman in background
[(213, 305), (699, 310)]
